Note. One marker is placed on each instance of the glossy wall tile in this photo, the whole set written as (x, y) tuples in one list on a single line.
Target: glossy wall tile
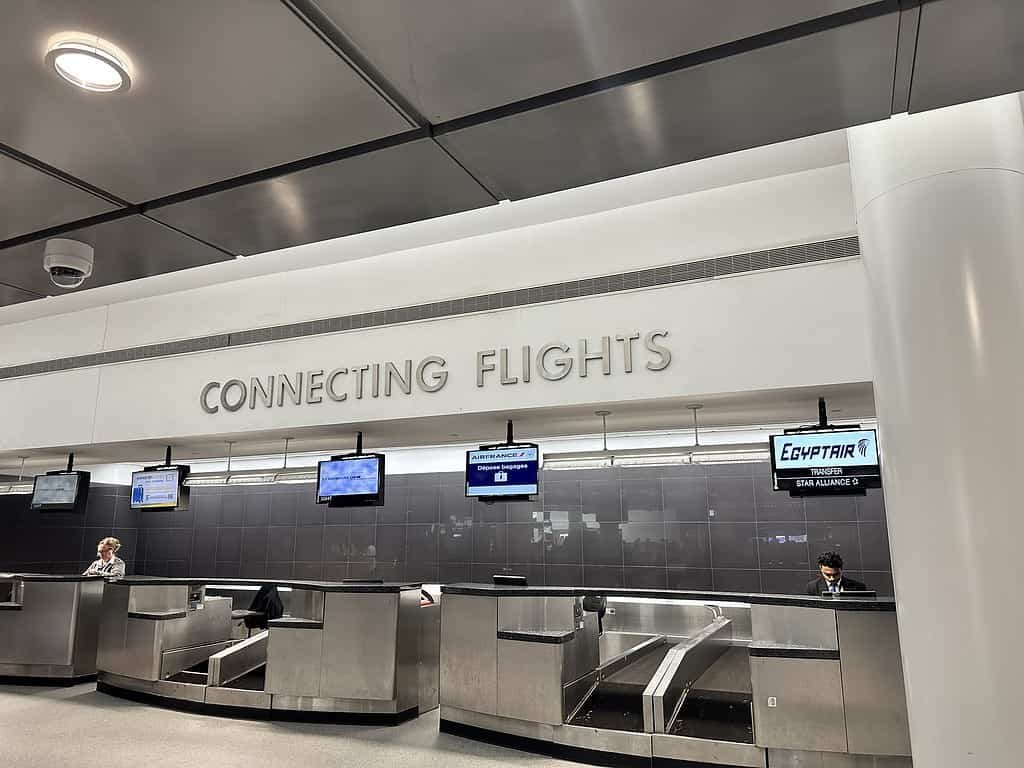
[(683, 527)]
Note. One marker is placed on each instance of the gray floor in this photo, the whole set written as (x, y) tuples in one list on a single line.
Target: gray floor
[(48, 727)]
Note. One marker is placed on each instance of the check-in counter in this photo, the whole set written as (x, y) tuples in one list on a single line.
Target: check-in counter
[(48, 627), (691, 678), (342, 651)]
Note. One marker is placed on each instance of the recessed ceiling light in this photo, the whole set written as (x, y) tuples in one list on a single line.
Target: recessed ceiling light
[(90, 63)]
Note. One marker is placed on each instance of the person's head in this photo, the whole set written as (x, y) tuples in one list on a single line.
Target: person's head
[(107, 548), (831, 565)]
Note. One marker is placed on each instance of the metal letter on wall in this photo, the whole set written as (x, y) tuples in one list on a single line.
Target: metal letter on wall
[(207, 388), (627, 340), (554, 361), (563, 364), (265, 394), (226, 401), (605, 356), (329, 385), (663, 353), (483, 365), (314, 385), (294, 390), (402, 378), (437, 378)]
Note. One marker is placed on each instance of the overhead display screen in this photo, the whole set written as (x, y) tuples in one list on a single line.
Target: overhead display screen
[(358, 478), (155, 489), (58, 491), (836, 461), (502, 471)]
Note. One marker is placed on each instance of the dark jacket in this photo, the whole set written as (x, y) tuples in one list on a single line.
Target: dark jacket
[(267, 605), (818, 585)]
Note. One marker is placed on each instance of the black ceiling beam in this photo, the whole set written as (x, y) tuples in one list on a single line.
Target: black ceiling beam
[(62, 229), (329, 33), (282, 170), (337, 39), (198, 239), (130, 209), (906, 54), (675, 64), (20, 289), (57, 173), (473, 176)]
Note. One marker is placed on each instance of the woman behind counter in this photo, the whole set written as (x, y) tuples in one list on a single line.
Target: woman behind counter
[(107, 562)]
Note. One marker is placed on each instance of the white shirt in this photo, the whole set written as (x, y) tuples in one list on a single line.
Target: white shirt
[(113, 567)]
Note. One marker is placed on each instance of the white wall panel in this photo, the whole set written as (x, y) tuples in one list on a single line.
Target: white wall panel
[(50, 410), (746, 217), (788, 157), (48, 338), (785, 328)]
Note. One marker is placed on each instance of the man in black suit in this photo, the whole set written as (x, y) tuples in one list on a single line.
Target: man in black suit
[(832, 579)]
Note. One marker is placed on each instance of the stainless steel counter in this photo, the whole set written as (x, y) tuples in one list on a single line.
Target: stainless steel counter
[(49, 626), (709, 678), (342, 649)]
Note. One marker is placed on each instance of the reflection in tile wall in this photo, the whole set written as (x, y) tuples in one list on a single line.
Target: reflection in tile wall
[(693, 527)]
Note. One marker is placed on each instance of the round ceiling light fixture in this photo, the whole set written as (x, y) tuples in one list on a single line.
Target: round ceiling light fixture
[(90, 63)]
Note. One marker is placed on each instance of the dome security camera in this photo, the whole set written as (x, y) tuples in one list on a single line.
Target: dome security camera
[(68, 262)]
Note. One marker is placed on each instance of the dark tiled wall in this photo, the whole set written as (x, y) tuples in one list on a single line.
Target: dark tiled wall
[(65, 542), (695, 527)]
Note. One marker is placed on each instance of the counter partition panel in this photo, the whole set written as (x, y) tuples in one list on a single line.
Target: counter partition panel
[(48, 627), (342, 651), (675, 677)]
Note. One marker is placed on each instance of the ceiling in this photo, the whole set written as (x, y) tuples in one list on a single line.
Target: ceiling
[(254, 125), (751, 409)]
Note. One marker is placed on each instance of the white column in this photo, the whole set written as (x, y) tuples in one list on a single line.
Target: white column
[(940, 208)]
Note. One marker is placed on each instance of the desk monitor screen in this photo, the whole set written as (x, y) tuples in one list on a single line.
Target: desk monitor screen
[(59, 490), (826, 462), (503, 472), (354, 480), (155, 488)]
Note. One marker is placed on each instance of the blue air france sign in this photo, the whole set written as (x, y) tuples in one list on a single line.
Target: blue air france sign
[(502, 471), (829, 461)]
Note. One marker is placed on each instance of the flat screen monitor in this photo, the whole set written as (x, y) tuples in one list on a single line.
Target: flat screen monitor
[(60, 491), (156, 488), (351, 481), (503, 472), (826, 462)]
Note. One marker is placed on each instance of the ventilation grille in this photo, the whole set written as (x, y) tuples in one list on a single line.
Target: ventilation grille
[(807, 253)]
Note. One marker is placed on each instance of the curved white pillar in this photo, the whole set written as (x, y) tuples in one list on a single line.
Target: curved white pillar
[(940, 207)]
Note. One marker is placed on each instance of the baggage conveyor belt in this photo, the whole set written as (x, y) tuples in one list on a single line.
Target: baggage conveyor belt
[(617, 701), (647, 689)]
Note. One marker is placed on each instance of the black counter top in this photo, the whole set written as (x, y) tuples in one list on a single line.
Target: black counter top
[(156, 615), (492, 590), (763, 649), (49, 577), (548, 636), (295, 622), (318, 586)]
